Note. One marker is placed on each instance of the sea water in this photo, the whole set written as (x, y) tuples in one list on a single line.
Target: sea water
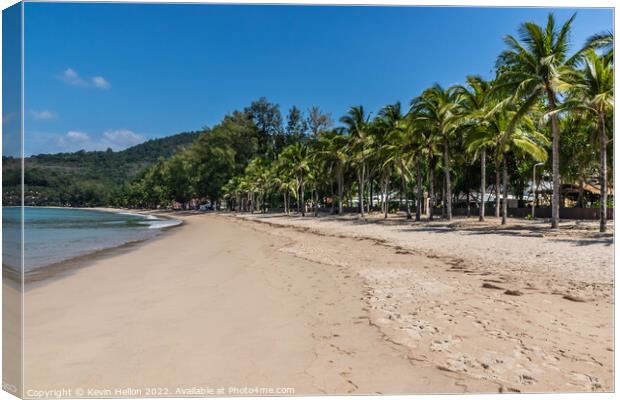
[(52, 235)]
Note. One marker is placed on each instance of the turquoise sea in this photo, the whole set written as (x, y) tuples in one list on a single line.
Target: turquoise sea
[(52, 235)]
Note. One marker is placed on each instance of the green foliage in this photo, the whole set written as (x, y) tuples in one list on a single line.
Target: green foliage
[(83, 178)]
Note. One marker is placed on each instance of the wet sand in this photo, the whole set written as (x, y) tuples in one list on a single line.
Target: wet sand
[(226, 302)]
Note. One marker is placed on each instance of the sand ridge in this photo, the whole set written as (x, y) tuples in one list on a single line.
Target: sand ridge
[(530, 328)]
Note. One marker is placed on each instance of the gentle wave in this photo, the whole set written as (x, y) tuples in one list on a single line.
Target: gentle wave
[(53, 235)]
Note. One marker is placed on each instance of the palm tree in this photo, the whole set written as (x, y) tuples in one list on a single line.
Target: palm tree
[(531, 69), (405, 150), (296, 156), (475, 104), (356, 122), (439, 107), (388, 132), (603, 41), (284, 181), (593, 92), (332, 147), (521, 139)]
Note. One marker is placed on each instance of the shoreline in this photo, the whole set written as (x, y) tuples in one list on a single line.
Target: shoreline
[(67, 266), (316, 308)]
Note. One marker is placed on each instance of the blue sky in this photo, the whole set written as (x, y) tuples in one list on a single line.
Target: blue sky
[(113, 75)]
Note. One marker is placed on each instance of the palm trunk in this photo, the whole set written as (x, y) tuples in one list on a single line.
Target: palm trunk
[(369, 205), (446, 167), (497, 184), (431, 188), (443, 196), (340, 179), (301, 198), (505, 205), (360, 190), (387, 201), (333, 205), (418, 205), (555, 162), (603, 169), (316, 202), (483, 183), (403, 190)]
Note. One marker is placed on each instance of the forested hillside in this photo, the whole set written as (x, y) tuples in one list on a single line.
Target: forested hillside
[(87, 178)]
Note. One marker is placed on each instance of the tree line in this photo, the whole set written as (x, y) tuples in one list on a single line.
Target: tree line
[(546, 107)]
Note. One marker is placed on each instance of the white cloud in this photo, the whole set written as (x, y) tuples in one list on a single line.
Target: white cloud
[(73, 141), (123, 138), (72, 77), (77, 136), (113, 139), (42, 114), (100, 82)]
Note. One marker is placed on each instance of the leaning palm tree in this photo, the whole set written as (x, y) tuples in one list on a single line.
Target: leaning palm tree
[(593, 92), (440, 107), (357, 125), (531, 69)]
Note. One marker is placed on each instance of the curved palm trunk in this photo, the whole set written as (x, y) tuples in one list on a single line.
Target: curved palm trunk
[(497, 184), (555, 161), (332, 211), (505, 205), (360, 189), (603, 169), (316, 202), (301, 197), (369, 204), (340, 180), (298, 197), (403, 190), (431, 188), (446, 168), (387, 201), (418, 203), (483, 181)]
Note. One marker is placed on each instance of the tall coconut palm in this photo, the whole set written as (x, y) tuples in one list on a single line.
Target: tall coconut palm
[(475, 104), (531, 69), (296, 156), (405, 150), (520, 137), (284, 181), (439, 107), (332, 146), (388, 132), (357, 125), (593, 92)]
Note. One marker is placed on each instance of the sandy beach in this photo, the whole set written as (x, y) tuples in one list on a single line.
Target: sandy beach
[(329, 306)]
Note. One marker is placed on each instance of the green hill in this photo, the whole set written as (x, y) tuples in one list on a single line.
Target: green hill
[(84, 177)]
